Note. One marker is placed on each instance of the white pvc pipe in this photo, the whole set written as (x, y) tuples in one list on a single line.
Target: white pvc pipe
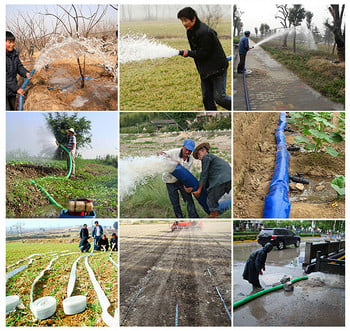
[(104, 302)]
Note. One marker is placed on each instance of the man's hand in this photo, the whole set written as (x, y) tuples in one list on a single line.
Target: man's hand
[(28, 75), (20, 91), (185, 53), (188, 189), (197, 193), (260, 272)]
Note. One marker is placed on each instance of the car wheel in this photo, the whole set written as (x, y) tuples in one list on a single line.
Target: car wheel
[(280, 245), (297, 244)]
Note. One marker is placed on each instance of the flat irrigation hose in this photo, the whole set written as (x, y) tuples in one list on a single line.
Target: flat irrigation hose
[(104, 302), (44, 307), (247, 102), (48, 195), (74, 304), (111, 259), (24, 85), (268, 290)]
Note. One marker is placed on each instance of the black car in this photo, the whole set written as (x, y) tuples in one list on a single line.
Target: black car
[(278, 237)]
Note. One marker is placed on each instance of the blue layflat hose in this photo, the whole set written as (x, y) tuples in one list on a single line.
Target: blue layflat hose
[(24, 85)]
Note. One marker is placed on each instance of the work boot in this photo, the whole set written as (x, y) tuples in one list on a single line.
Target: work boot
[(213, 214)]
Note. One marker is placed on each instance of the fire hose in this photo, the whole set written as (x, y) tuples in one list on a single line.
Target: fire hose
[(104, 302), (268, 290), (24, 85), (51, 199)]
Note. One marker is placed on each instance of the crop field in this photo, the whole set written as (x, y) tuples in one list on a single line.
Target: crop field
[(93, 179), (54, 282), (151, 199), (320, 160), (173, 278), (165, 83)]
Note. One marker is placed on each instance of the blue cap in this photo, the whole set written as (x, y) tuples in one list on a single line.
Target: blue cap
[(189, 144), (246, 32)]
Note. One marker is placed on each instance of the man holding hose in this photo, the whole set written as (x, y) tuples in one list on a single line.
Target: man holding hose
[(209, 57)]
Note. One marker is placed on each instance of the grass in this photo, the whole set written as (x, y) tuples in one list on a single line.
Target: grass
[(94, 180), (54, 283), (165, 83), (315, 68), (152, 201)]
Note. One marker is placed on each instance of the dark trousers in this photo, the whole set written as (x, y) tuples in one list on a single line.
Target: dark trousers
[(241, 64), (215, 194), (255, 280), (173, 191), (214, 92), (11, 103), (96, 244)]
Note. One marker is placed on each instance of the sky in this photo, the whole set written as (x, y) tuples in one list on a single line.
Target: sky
[(61, 223), (27, 131), (258, 12)]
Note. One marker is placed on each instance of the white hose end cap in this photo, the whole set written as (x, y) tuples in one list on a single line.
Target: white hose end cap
[(44, 307), (12, 301)]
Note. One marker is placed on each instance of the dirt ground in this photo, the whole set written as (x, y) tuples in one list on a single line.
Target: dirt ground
[(164, 274), (254, 160), (44, 93)]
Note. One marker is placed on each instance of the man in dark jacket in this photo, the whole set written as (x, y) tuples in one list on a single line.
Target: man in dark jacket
[(114, 242), (84, 232), (243, 50), (103, 243), (97, 233), (84, 245), (209, 57), (14, 66), (215, 177), (254, 266)]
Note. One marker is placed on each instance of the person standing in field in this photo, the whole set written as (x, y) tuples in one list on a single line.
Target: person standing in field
[(243, 49), (84, 245), (71, 146), (14, 67), (209, 57), (182, 156), (97, 233)]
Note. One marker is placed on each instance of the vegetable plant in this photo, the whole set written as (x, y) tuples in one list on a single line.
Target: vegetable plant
[(319, 132), (338, 183)]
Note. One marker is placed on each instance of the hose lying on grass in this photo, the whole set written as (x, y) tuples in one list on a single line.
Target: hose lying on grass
[(104, 302), (268, 290), (51, 199), (110, 258), (74, 304)]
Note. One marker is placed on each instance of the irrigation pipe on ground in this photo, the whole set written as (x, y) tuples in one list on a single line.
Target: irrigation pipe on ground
[(24, 85), (268, 290), (44, 307), (110, 258), (104, 302), (246, 95), (133, 302), (74, 304), (51, 199)]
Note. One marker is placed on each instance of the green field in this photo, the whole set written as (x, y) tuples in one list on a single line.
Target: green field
[(166, 83), (55, 281), (94, 180)]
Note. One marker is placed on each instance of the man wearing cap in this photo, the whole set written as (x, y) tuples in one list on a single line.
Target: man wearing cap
[(243, 50), (215, 177), (71, 146), (182, 156)]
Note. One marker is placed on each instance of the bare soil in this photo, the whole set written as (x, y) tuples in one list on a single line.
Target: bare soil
[(161, 270), (254, 161), (45, 93)]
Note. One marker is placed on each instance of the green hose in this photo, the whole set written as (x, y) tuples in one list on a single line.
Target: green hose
[(268, 290), (51, 199)]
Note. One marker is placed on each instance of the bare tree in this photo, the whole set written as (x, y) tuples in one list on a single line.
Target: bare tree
[(338, 31), (282, 16), (76, 23), (237, 21), (211, 14)]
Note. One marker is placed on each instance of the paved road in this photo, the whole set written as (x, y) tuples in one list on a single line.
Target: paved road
[(271, 86)]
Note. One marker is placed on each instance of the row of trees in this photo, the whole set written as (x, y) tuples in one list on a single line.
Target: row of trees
[(292, 17)]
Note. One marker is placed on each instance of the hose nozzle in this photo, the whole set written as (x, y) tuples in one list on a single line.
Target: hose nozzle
[(181, 52)]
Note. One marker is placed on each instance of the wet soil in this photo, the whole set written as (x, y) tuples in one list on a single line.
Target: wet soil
[(171, 270), (254, 160), (45, 92)]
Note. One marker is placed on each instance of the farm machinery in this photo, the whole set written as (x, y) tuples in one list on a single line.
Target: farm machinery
[(179, 225)]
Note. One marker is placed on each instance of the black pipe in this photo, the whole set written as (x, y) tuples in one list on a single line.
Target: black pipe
[(247, 102)]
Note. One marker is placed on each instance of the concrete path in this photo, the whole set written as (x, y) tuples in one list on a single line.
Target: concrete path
[(271, 86)]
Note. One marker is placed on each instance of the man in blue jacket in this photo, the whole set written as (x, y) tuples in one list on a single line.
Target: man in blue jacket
[(243, 50), (209, 57), (14, 66)]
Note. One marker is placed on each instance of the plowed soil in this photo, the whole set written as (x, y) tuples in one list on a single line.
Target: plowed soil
[(165, 276), (254, 161)]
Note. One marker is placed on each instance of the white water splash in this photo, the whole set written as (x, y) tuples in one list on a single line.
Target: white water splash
[(303, 33), (71, 48), (139, 48), (137, 170)]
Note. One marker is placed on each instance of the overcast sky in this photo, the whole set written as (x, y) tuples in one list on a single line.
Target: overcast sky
[(27, 131), (258, 12)]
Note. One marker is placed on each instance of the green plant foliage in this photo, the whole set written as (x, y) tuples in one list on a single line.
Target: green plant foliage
[(338, 183)]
